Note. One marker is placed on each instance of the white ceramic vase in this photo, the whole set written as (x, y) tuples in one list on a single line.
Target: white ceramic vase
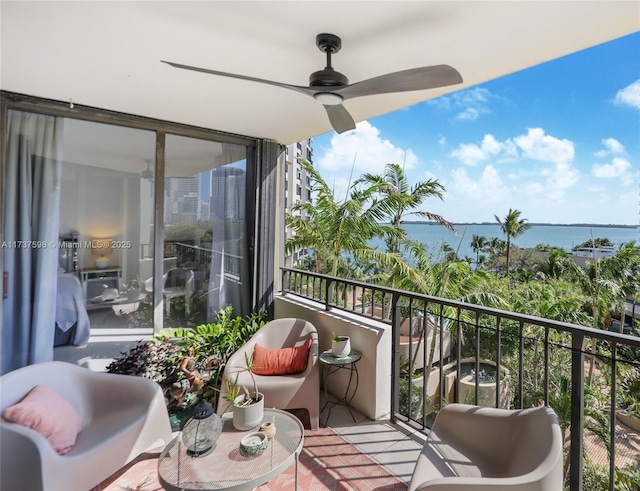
[(341, 347), (250, 416)]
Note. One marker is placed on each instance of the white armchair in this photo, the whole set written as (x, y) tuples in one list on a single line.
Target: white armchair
[(296, 391), (485, 449), (121, 417)]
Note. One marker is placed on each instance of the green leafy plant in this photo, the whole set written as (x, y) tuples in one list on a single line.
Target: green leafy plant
[(213, 344), (337, 338), (234, 390), (630, 392)]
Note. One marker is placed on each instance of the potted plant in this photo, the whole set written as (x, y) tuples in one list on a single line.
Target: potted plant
[(161, 358), (248, 407), (340, 346), (629, 399)]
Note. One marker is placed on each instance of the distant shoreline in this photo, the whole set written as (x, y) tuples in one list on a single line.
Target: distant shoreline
[(600, 225)]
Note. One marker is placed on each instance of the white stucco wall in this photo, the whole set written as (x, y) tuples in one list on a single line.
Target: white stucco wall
[(370, 337)]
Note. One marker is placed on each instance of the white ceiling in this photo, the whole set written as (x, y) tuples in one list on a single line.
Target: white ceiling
[(107, 54)]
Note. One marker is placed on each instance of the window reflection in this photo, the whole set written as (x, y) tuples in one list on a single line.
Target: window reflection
[(205, 241)]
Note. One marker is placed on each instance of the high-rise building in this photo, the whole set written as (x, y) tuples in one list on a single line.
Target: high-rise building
[(297, 185), (204, 194), (181, 200)]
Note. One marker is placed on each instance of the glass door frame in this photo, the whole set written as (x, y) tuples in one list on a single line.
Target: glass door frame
[(9, 100)]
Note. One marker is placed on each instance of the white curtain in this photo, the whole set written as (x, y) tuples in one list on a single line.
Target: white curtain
[(32, 216), (228, 277)]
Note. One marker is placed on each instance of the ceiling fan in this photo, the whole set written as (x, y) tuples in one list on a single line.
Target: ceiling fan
[(330, 88), (147, 173)]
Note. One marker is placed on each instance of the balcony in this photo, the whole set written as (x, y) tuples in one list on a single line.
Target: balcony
[(447, 351)]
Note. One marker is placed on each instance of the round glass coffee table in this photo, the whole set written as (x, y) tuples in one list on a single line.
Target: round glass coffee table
[(224, 468)]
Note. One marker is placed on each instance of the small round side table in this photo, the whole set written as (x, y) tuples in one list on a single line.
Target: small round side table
[(333, 365)]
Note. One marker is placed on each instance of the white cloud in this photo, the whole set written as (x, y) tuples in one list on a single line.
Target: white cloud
[(472, 154), (619, 167), (370, 152), (469, 154), (487, 188), (469, 114), (549, 180), (559, 178), (612, 147), (629, 96), (470, 103), (537, 145)]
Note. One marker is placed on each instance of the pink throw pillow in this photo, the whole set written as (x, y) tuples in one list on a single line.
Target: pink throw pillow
[(45, 411)]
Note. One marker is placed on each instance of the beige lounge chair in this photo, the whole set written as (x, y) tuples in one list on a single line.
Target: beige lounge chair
[(121, 415), (298, 391), (485, 449)]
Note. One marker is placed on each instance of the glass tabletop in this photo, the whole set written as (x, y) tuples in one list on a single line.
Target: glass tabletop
[(224, 468), (328, 358)]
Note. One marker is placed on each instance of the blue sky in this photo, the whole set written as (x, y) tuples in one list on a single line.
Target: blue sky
[(559, 142)]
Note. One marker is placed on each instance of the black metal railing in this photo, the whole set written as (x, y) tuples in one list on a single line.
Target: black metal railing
[(449, 351), (200, 258)]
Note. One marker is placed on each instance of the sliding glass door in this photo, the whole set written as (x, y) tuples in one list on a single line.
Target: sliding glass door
[(206, 263), (82, 194), (106, 224)]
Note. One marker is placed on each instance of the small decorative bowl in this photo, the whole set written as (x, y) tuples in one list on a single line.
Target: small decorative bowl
[(253, 444)]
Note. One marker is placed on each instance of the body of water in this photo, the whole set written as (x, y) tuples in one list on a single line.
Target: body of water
[(565, 236)]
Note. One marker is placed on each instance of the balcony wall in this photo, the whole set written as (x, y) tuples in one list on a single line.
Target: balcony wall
[(371, 337)]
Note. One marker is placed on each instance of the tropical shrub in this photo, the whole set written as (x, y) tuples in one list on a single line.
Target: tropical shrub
[(156, 361), (630, 392), (159, 359)]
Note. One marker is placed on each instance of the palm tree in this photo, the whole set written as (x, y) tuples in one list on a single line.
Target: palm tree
[(558, 264), (454, 280), (338, 232), (402, 199), (625, 268), (478, 243), (512, 227), (598, 283)]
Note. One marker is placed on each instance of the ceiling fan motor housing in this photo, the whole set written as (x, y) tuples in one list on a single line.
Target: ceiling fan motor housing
[(328, 78)]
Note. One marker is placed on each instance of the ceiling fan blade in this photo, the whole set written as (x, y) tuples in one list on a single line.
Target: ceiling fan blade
[(340, 118), (305, 90), (428, 77)]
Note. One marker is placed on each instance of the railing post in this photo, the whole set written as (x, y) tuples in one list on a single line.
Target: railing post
[(577, 412), (395, 350), (612, 416), (328, 293)]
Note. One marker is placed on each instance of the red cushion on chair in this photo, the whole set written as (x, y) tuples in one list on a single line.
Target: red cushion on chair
[(284, 361)]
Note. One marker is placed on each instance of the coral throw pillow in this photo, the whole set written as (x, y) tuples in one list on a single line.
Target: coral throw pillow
[(45, 411), (284, 361)]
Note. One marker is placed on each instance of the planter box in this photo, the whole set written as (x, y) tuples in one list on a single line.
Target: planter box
[(486, 390), (417, 352), (628, 420)]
